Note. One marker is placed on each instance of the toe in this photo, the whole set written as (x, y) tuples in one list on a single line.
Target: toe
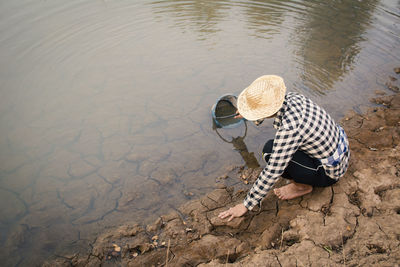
[(277, 192)]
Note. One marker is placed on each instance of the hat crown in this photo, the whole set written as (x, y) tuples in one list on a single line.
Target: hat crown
[(262, 98), (263, 93)]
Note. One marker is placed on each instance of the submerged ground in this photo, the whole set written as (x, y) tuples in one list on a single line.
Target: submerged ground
[(352, 223)]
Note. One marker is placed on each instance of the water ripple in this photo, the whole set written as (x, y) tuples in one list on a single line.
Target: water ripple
[(86, 85)]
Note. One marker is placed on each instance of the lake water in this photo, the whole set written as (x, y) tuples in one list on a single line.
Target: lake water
[(105, 105)]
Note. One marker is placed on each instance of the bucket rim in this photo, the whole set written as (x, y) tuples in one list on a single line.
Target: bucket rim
[(232, 99)]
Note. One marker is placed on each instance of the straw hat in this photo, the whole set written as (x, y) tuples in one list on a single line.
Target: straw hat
[(263, 98)]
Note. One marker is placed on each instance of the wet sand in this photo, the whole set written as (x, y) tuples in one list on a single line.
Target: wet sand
[(352, 223)]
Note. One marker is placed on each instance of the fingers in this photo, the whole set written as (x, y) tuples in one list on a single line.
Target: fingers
[(222, 215), (236, 211), (225, 214)]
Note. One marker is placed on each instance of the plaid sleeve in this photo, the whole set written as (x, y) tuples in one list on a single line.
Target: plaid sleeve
[(285, 144)]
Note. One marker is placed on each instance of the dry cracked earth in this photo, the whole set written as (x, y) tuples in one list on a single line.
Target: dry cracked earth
[(352, 223)]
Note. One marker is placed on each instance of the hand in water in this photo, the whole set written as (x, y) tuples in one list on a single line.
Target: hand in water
[(237, 211)]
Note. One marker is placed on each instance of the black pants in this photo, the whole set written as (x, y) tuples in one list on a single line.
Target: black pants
[(302, 168)]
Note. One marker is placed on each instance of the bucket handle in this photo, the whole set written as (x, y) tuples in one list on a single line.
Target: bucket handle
[(245, 133)]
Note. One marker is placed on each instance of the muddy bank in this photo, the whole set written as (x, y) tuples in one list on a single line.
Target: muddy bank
[(353, 223)]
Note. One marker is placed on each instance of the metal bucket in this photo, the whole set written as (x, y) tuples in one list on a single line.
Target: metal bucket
[(224, 112)]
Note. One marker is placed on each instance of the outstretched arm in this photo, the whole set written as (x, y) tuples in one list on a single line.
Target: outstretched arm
[(286, 143)]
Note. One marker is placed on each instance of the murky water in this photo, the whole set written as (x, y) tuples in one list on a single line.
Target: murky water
[(105, 105)]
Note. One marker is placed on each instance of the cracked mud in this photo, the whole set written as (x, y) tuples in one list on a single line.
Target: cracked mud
[(353, 223)]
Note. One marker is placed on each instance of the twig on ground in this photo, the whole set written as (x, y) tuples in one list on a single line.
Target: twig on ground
[(344, 256), (280, 248), (299, 261), (227, 258), (166, 260)]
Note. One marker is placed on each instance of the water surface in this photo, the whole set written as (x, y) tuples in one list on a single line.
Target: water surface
[(105, 105)]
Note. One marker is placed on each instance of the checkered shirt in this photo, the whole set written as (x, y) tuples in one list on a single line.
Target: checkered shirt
[(301, 125)]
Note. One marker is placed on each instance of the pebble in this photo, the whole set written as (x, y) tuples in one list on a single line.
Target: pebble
[(392, 87), (380, 92), (188, 194), (223, 177), (117, 248), (220, 186)]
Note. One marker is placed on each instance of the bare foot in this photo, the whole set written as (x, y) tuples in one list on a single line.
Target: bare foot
[(293, 190)]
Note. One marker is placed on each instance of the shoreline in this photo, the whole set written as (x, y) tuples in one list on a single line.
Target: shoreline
[(353, 222)]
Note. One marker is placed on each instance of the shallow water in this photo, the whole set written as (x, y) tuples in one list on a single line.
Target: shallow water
[(105, 105)]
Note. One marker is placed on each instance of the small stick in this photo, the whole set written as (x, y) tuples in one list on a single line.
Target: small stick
[(166, 260), (227, 258), (299, 261), (344, 256), (280, 248)]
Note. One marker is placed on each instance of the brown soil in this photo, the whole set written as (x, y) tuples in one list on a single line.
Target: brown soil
[(352, 223)]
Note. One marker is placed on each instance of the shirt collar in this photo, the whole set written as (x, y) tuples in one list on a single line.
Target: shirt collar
[(278, 120)]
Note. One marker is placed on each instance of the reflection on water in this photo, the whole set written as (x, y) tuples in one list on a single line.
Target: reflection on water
[(326, 37), (239, 145), (265, 18), (105, 105), (330, 39), (200, 16), (206, 17)]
